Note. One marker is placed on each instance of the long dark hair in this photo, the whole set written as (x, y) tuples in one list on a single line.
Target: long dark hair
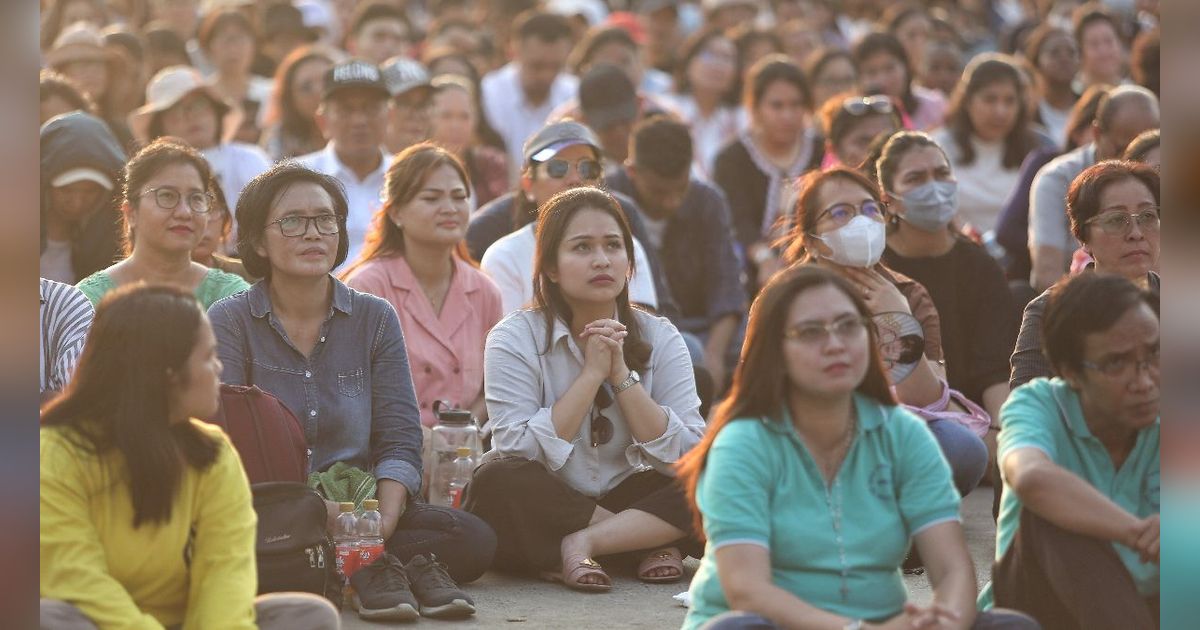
[(282, 109), (553, 220), (136, 356), (403, 181), (985, 70), (691, 48), (759, 384), (885, 43)]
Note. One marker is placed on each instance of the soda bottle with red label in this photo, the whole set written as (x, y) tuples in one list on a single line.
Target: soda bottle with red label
[(345, 540), (370, 533)]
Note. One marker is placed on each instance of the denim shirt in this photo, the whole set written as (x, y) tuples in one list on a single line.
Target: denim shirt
[(354, 396)]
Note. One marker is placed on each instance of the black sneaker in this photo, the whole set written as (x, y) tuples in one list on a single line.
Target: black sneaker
[(382, 592), (440, 597)]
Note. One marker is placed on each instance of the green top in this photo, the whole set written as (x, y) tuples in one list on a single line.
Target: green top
[(216, 285), (840, 547), (1045, 414)]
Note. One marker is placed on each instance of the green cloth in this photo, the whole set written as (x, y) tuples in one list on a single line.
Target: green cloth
[(216, 285), (761, 487), (344, 483), (1045, 414)]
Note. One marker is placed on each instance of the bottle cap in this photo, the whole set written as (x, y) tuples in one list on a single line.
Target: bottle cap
[(371, 504), (346, 507), (464, 451)]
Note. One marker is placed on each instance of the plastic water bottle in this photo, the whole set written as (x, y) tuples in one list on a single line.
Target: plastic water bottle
[(370, 533), (464, 466), (345, 540)]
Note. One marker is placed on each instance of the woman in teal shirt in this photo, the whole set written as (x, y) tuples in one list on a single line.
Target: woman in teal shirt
[(810, 486), (167, 205)]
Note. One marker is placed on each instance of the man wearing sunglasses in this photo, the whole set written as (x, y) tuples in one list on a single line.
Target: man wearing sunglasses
[(560, 157)]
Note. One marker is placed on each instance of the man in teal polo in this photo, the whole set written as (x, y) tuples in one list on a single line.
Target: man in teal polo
[(1077, 542)]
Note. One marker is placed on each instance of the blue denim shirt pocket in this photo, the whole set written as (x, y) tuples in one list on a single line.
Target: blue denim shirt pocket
[(350, 384)]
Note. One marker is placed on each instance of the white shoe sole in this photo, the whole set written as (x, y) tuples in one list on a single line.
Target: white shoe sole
[(456, 608), (403, 612)]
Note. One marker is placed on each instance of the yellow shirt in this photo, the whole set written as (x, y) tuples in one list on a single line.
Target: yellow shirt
[(196, 569)]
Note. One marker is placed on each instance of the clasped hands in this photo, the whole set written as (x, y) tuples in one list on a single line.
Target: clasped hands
[(603, 344)]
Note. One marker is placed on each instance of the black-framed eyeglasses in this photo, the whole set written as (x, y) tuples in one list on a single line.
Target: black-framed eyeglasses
[(817, 334), (1126, 365), (1119, 223), (587, 168), (842, 213), (167, 198), (860, 105), (602, 427), (297, 225)]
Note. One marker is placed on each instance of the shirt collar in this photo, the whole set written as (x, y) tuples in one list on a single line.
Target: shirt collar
[(561, 329), (334, 166), (260, 298), (401, 275)]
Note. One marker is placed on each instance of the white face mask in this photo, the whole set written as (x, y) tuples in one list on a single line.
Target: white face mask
[(859, 243)]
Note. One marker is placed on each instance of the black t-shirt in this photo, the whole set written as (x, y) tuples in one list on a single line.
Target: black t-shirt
[(978, 316)]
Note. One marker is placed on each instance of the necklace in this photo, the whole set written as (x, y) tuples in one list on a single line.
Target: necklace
[(833, 501)]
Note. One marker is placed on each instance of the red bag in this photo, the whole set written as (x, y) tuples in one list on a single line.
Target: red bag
[(266, 434)]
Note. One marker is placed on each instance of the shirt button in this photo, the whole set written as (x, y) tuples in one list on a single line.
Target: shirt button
[(312, 413), (307, 374), (428, 369), (322, 340), (456, 370)]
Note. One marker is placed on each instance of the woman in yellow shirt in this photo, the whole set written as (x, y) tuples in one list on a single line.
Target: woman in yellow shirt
[(146, 517)]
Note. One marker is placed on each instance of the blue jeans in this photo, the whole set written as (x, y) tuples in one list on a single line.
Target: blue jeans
[(964, 451), (992, 620)]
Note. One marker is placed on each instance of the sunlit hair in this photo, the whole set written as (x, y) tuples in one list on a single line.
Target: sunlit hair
[(803, 220), (282, 109), (118, 402), (760, 385), (553, 220), (897, 146), (404, 179), (1084, 195)]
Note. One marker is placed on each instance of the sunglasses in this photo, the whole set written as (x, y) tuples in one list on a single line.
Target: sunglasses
[(858, 106), (602, 427), (587, 168)]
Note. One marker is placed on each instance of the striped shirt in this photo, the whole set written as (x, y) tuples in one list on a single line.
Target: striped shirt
[(66, 316)]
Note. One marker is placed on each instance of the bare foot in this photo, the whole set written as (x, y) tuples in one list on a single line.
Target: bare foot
[(575, 549)]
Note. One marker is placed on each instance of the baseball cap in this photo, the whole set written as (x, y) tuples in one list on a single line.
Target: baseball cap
[(607, 96), (82, 174), (555, 137), (402, 74), (354, 73)]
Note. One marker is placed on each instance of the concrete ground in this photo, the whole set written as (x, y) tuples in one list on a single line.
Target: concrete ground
[(527, 604)]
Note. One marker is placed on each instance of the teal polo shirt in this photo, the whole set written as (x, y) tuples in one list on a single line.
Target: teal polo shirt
[(1045, 414), (761, 487)]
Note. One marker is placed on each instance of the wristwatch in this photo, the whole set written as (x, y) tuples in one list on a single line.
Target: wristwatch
[(856, 624), (630, 381)]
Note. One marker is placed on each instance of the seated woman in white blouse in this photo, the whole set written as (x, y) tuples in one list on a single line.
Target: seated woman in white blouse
[(591, 403)]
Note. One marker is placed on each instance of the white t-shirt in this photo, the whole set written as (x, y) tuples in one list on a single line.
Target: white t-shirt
[(984, 184), (515, 119), (1055, 121), (509, 263), (56, 262)]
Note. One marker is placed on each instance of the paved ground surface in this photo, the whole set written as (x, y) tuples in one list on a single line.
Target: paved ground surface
[(523, 604)]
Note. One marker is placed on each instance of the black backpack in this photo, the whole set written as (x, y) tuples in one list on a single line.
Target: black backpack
[(293, 550)]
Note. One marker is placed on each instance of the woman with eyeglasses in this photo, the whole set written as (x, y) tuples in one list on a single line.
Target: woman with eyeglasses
[(757, 170), (1115, 214), (290, 123), (706, 78), (337, 358), (811, 483), (987, 136), (840, 224), (166, 209), (592, 401), (416, 259), (852, 123)]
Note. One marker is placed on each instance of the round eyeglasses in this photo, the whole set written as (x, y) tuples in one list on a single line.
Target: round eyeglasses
[(198, 202), (842, 213)]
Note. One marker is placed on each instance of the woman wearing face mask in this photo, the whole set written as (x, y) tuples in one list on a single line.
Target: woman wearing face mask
[(840, 224), (756, 171), (978, 318)]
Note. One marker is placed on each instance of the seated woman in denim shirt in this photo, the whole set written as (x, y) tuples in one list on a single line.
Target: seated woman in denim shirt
[(591, 402), (336, 358)]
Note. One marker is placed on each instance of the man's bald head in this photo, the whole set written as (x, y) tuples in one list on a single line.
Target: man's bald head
[(1124, 113)]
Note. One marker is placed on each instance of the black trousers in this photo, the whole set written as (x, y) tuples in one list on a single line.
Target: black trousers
[(461, 541), (532, 510), (1068, 581)]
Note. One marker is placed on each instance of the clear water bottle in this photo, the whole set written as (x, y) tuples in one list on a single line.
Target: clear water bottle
[(456, 428), (370, 533), (345, 540), (464, 467)]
